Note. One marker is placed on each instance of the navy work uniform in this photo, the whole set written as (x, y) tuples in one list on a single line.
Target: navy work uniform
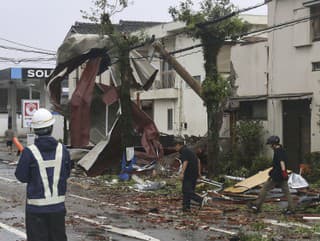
[(45, 167), (190, 177)]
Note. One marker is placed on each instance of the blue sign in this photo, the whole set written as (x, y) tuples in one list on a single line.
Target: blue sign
[(16, 73)]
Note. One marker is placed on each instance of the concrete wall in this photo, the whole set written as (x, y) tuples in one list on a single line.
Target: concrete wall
[(161, 115), (250, 64), (291, 55)]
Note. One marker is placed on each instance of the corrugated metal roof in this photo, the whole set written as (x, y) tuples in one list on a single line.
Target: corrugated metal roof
[(122, 26)]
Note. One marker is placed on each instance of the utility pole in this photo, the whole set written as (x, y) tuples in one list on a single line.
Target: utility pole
[(178, 68)]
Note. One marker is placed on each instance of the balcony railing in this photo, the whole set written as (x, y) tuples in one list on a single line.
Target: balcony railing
[(167, 80)]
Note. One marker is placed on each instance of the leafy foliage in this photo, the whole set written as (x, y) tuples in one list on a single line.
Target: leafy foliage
[(209, 10), (246, 155), (215, 91), (250, 139), (312, 173), (102, 8), (215, 88)]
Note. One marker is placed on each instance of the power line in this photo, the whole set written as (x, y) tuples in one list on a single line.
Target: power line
[(17, 61), (25, 50), (24, 45), (280, 26), (256, 32)]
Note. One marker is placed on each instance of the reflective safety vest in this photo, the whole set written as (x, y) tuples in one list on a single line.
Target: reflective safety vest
[(50, 198)]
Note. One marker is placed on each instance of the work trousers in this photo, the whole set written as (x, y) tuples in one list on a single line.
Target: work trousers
[(46, 226), (188, 191), (270, 184)]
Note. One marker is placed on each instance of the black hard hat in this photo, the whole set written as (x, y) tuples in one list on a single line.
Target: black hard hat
[(273, 140)]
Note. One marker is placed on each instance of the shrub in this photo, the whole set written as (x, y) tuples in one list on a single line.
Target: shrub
[(249, 136), (312, 174), (245, 156)]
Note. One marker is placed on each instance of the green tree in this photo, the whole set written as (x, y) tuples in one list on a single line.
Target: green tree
[(215, 88)]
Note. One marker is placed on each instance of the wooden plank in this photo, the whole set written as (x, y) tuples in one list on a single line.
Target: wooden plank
[(250, 182)]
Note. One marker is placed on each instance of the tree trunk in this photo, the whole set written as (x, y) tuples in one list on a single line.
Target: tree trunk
[(214, 118), (214, 110), (125, 100)]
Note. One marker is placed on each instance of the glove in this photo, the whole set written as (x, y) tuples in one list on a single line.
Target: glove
[(270, 172), (285, 175)]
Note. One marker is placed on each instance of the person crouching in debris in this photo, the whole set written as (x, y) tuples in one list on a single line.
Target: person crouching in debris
[(45, 167), (278, 177), (189, 174)]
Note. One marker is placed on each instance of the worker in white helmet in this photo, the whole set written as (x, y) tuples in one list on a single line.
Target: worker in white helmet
[(45, 167)]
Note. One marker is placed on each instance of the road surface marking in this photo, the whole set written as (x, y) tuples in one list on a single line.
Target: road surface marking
[(13, 230), (8, 179), (4, 199), (122, 231), (83, 198), (221, 230)]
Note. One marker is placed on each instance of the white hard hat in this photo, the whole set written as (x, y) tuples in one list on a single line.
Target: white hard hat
[(42, 118)]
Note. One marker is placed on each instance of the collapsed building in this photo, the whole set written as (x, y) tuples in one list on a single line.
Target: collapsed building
[(89, 104), (94, 107)]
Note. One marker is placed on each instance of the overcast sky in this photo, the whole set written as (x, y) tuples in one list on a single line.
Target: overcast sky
[(44, 24)]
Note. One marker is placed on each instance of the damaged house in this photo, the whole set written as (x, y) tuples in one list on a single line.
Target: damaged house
[(92, 59), (162, 95), (277, 79)]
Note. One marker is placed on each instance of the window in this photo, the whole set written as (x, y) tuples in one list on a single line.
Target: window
[(316, 66), (315, 22), (170, 119), (253, 110), (196, 78), (167, 75)]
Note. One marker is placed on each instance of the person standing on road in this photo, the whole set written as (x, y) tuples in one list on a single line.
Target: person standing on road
[(45, 166), (189, 174), (278, 177), (9, 134)]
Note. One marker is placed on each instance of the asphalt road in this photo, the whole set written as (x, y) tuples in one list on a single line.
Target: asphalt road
[(87, 217), (93, 209)]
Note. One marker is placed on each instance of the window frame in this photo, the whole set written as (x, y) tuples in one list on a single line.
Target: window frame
[(315, 22), (170, 119), (249, 108)]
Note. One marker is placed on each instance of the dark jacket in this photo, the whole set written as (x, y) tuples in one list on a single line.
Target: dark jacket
[(278, 156), (188, 155), (27, 171)]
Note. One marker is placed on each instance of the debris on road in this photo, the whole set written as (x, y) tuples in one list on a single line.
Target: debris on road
[(250, 182)]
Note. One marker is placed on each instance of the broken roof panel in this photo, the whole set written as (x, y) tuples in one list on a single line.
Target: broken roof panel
[(250, 182), (98, 53), (122, 26)]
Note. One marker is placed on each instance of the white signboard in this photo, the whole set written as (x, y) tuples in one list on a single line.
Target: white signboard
[(28, 109)]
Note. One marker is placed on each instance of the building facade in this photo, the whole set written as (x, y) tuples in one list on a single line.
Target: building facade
[(173, 105), (16, 85), (278, 79)]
